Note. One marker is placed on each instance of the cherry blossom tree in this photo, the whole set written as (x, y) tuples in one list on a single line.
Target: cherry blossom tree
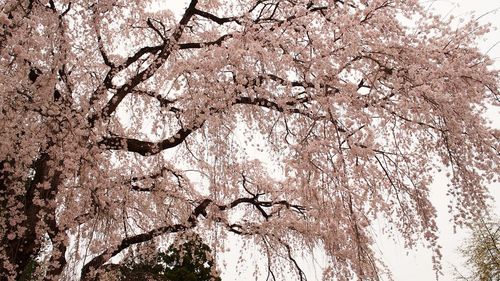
[(291, 124)]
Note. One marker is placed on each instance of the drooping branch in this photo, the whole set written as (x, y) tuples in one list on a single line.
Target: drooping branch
[(100, 44), (164, 102), (270, 272), (200, 209), (134, 181), (147, 148), (156, 30), (99, 260), (301, 273)]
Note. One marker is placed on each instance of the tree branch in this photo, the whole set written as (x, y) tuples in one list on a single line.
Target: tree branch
[(302, 275), (215, 18), (144, 148), (164, 102), (164, 54), (196, 45), (149, 22), (147, 148), (201, 209), (99, 260)]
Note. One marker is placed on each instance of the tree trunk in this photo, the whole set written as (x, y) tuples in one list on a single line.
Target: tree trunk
[(26, 221)]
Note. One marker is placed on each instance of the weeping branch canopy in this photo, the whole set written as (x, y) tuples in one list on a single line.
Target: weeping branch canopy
[(292, 125)]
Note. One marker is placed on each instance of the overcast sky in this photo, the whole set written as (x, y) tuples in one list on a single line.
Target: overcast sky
[(416, 265)]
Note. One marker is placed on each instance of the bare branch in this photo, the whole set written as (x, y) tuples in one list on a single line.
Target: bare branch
[(302, 275), (152, 26)]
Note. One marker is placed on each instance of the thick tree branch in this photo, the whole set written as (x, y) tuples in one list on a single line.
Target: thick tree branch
[(99, 260), (198, 45), (141, 52), (124, 90), (260, 205), (147, 148), (163, 55), (144, 148), (215, 18), (201, 209)]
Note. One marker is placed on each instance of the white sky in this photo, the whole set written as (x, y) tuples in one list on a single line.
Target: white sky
[(416, 265)]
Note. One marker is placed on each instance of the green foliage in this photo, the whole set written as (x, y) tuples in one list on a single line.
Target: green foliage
[(29, 272), (189, 261), (482, 251)]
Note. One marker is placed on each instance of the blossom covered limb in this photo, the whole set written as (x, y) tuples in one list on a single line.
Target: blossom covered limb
[(145, 74)]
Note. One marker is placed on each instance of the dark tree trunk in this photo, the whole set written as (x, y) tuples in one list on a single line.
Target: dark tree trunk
[(21, 216)]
